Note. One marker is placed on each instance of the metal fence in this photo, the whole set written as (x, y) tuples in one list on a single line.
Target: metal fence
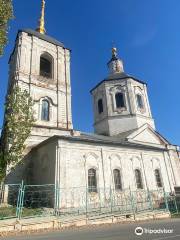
[(25, 201), (9, 197)]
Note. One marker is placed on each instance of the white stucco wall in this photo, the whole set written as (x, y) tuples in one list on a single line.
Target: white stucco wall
[(76, 158), (112, 120)]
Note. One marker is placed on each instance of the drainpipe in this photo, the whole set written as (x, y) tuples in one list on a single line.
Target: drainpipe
[(167, 172), (174, 179), (144, 172)]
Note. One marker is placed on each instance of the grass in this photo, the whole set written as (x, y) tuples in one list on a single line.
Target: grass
[(10, 212), (175, 215), (27, 212), (7, 212)]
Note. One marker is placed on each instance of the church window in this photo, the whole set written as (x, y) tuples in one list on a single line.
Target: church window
[(117, 179), (45, 66), (100, 106), (138, 179), (45, 110), (158, 178), (120, 100), (92, 181), (139, 101)]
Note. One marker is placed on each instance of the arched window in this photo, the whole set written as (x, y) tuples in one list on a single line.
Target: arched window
[(46, 66), (92, 181), (117, 179), (120, 100), (138, 179), (158, 178), (45, 110), (139, 101), (100, 106)]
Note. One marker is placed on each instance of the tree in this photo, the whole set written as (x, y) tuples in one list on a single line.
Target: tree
[(6, 13), (17, 127)]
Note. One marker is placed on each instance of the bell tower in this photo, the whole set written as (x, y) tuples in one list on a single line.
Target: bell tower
[(41, 65), (120, 101)]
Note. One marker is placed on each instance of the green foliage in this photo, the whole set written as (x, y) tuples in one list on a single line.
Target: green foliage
[(6, 13), (17, 127), (2, 165)]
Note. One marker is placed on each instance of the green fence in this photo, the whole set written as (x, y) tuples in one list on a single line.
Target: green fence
[(9, 197), (25, 201), (173, 204)]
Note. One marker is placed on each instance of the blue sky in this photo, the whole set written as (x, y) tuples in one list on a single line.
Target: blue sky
[(146, 33)]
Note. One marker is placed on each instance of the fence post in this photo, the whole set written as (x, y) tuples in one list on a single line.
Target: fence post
[(100, 199), (20, 200), (111, 199), (132, 202), (86, 204), (58, 196), (56, 200), (166, 200), (150, 200), (2, 193)]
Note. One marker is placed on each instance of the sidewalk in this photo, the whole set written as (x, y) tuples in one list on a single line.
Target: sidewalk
[(54, 222)]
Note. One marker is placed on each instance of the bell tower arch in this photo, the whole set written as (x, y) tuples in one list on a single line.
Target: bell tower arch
[(41, 65)]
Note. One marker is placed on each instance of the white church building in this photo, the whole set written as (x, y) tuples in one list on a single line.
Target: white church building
[(124, 152)]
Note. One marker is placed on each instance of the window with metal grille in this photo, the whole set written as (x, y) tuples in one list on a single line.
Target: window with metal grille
[(120, 100), (92, 181), (158, 178), (117, 179), (45, 110), (100, 106), (138, 179)]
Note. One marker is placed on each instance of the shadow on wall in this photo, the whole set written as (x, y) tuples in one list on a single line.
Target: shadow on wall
[(21, 172)]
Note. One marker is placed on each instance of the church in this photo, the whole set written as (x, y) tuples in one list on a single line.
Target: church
[(124, 152)]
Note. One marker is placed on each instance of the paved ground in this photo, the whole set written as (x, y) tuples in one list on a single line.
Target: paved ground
[(112, 232)]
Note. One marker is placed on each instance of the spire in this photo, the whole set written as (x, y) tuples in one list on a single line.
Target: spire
[(41, 28)]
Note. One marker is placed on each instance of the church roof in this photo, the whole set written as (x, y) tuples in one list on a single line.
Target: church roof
[(127, 138), (43, 37), (40, 36), (118, 76), (118, 140)]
